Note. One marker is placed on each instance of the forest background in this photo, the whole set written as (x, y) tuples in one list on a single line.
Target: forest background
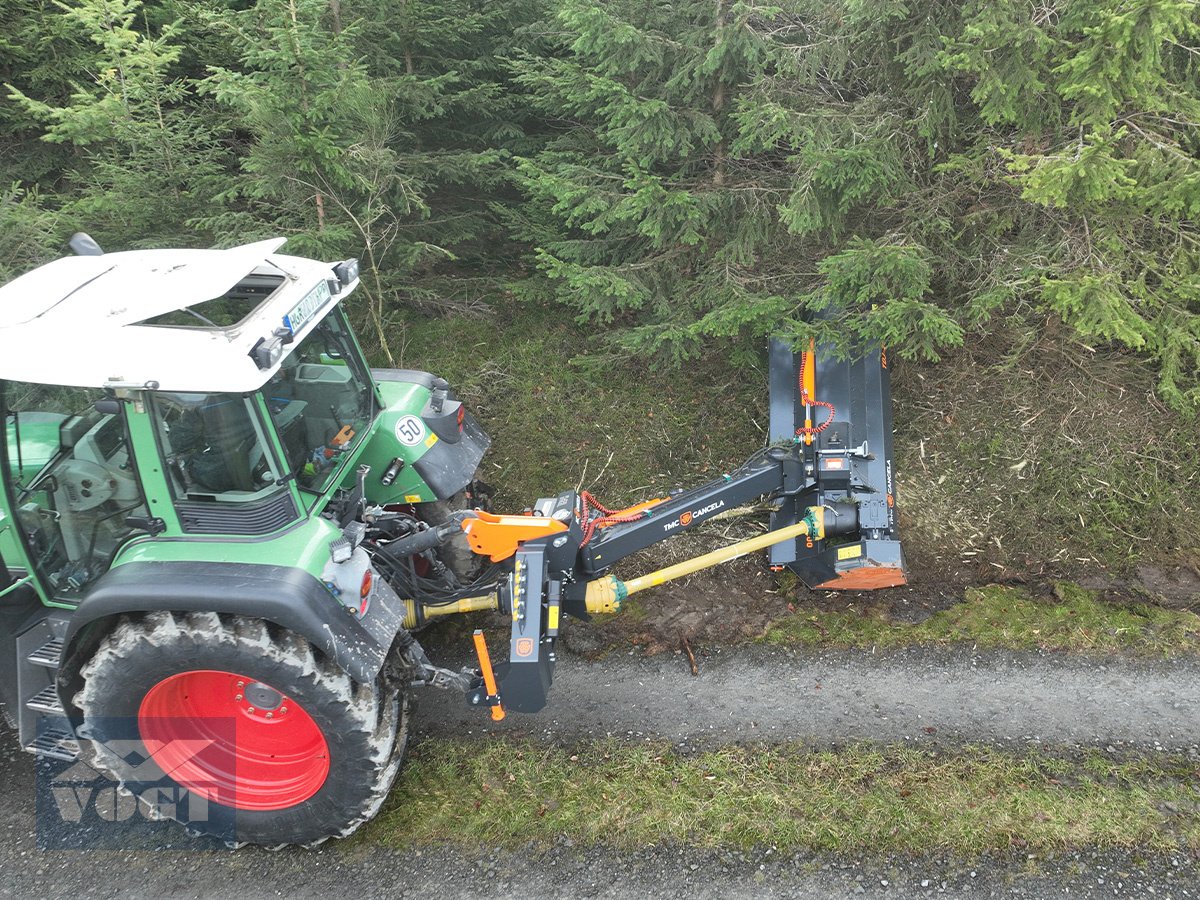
[(590, 215)]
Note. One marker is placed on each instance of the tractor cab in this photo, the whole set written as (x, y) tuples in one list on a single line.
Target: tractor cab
[(199, 394)]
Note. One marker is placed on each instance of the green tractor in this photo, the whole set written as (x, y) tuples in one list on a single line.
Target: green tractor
[(186, 445), (219, 529)]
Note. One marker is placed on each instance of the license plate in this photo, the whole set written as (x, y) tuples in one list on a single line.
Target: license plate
[(303, 311)]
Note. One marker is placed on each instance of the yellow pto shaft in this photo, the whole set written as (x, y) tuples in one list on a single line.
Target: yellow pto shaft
[(415, 614), (606, 594)]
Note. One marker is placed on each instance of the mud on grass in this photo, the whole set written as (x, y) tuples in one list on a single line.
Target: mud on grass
[(861, 798)]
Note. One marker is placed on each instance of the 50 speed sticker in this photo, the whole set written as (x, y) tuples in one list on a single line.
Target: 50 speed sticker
[(409, 430)]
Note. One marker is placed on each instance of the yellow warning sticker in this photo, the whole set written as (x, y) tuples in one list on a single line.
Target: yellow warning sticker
[(851, 552), (431, 440), (412, 498), (553, 622)]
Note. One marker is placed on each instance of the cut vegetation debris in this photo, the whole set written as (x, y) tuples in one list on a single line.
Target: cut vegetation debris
[(1016, 460), (858, 799), (1005, 617)]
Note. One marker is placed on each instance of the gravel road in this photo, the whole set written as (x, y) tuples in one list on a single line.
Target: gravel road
[(759, 694), (766, 694)]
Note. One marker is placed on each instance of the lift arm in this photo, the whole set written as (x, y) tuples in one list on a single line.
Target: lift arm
[(561, 561)]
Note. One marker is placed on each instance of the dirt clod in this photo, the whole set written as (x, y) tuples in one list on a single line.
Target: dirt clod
[(1174, 586)]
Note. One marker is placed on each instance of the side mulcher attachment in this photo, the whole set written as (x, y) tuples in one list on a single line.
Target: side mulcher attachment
[(827, 475), (840, 414)]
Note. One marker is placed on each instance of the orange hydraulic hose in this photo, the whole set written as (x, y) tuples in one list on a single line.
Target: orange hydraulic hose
[(808, 387)]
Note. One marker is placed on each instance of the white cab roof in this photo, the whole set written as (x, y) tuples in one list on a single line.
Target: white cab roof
[(80, 320)]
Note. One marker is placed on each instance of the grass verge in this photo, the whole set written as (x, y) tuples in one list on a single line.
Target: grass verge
[(1005, 617), (1023, 453), (858, 799)]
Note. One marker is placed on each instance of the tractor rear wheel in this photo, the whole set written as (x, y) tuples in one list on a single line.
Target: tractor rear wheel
[(270, 743)]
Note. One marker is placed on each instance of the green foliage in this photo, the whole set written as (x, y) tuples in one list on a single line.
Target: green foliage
[(28, 232), (372, 127), (146, 155), (686, 177), (871, 170)]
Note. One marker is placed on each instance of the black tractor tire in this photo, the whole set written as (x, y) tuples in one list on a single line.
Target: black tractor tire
[(456, 554), (364, 727)]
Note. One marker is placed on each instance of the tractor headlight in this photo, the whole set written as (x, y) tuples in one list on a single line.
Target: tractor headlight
[(341, 549), (267, 352), (346, 272)]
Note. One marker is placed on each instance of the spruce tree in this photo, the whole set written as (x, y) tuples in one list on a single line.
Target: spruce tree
[(709, 180), (370, 128), (145, 160), (870, 170)]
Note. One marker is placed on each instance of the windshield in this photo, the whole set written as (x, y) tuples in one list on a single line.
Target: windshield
[(322, 401)]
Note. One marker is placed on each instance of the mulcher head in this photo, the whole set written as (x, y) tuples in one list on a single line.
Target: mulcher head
[(840, 414)]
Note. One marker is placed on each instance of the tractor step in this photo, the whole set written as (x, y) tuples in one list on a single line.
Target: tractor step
[(46, 701), (55, 743), (41, 720), (47, 654)]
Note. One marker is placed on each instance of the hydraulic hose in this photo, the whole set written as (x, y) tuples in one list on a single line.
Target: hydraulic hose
[(421, 541)]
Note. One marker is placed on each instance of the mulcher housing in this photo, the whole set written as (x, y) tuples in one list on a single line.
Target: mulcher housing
[(851, 461)]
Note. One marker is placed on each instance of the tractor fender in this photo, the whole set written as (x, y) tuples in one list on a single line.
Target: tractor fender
[(441, 447), (284, 595)]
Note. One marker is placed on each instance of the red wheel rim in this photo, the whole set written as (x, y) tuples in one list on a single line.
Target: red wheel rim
[(204, 731)]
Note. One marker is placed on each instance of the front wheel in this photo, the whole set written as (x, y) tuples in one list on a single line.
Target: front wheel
[(456, 553), (271, 744)]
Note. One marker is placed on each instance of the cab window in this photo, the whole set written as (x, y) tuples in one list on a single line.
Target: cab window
[(322, 401), (213, 446), (71, 481)]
